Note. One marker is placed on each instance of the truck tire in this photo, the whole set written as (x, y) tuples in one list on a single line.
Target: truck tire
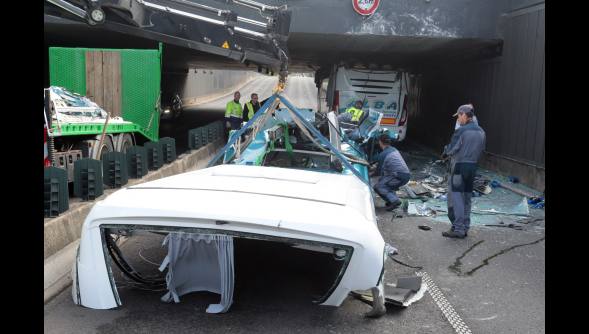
[(126, 142), (107, 146)]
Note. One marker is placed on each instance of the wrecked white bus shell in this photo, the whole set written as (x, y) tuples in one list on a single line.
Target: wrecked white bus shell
[(304, 208)]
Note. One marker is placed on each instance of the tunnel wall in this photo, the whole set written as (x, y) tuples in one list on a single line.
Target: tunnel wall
[(508, 95), (200, 85)]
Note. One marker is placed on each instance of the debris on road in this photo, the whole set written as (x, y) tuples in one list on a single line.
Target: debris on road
[(497, 184), (420, 210), (495, 198), (417, 188), (412, 283), (481, 184), (390, 250), (513, 179), (536, 202), (409, 192), (405, 292)]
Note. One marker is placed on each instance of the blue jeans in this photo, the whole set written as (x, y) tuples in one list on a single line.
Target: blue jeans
[(388, 184)]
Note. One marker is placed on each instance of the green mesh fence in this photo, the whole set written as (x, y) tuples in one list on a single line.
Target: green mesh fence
[(140, 89), (140, 86), (67, 68)]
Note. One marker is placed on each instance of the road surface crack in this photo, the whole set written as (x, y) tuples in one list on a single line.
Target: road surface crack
[(456, 267)]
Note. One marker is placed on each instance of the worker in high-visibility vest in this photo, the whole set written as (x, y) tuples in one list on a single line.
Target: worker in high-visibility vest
[(251, 107), (352, 114), (234, 113)]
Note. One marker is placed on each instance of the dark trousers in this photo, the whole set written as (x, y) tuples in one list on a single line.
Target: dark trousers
[(389, 184), (234, 124), (460, 185)]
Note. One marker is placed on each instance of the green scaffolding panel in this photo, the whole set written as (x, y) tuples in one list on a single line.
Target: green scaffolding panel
[(140, 89), (140, 86), (67, 68)]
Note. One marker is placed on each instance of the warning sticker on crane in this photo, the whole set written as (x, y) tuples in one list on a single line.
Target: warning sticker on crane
[(225, 45)]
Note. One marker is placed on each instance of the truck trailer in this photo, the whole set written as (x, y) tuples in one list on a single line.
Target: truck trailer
[(100, 101)]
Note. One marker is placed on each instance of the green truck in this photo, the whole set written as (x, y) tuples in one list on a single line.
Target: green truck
[(100, 100)]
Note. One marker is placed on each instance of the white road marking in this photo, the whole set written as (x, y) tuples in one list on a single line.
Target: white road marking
[(453, 318), (487, 318)]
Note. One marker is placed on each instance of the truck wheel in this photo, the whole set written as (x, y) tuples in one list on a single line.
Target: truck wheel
[(126, 143), (96, 16), (106, 148)]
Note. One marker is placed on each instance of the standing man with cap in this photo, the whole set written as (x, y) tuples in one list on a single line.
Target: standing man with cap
[(465, 149), (251, 107), (474, 118), (233, 113)]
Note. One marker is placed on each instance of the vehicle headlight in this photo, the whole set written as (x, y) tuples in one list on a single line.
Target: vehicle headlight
[(340, 254), (167, 111)]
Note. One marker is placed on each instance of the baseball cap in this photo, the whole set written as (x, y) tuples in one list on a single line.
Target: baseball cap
[(467, 109)]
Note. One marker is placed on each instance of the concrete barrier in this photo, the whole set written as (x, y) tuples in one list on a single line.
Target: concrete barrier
[(62, 234)]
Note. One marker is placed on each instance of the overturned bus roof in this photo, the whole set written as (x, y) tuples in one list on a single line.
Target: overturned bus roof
[(293, 206)]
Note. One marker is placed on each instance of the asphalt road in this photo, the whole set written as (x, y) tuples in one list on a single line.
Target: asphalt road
[(494, 279), (299, 90)]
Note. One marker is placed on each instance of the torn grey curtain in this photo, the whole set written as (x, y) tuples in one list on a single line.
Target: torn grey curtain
[(199, 262)]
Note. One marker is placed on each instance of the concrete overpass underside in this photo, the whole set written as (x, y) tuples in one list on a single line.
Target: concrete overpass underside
[(400, 34), (307, 51)]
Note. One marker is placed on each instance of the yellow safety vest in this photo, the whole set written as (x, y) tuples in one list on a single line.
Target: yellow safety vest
[(356, 113), (233, 109), (250, 110)]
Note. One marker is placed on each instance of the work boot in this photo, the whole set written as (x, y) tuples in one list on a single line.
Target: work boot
[(394, 205), (465, 233), (378, 306), (454, 234)]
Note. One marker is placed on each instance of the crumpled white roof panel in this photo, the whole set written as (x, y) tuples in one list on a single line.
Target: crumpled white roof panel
[(316, 186), (306, 201)]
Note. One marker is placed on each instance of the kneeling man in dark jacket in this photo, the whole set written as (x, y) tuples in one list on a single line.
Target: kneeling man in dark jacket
[(393, 172)]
